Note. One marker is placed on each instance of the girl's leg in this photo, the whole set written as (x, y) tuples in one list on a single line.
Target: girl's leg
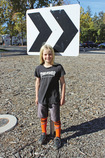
[(43, 125), (55, 115), (58, 128), (57, 140)]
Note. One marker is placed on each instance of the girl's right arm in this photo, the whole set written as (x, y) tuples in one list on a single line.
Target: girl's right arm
[(37, 84)]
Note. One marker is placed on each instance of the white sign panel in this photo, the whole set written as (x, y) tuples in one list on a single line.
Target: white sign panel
[(57, 26)]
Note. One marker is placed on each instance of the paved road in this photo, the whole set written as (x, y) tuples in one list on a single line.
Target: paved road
[(22, 50), (12, 50), (92, 51)]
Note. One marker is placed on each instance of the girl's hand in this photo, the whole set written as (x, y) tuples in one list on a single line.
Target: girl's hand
[(36, 101), (62, 101)]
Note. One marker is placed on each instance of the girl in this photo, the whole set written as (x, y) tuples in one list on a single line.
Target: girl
[(47, 76)]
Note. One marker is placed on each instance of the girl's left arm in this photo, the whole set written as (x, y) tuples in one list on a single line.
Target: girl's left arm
[(37, 84), (63, 87)]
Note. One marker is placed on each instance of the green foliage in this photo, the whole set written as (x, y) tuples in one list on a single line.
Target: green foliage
[(12, 22), (3, 11), (92, 28), (86, 26)]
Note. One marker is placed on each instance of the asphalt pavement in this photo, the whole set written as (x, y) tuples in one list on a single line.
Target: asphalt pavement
[(12, 50), (22, 50)]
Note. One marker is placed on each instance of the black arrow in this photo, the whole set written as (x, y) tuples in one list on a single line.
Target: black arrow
[(68, 27), (44, 30)]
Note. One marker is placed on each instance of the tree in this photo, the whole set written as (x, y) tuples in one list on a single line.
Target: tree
[(6, 18), (3, 16), (12, 20), (99, 26), (104, 18), (89, 11), (20, 24), (86, 26), (23, 5)]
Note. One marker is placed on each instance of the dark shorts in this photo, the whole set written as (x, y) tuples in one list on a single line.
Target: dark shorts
[(54, 111)]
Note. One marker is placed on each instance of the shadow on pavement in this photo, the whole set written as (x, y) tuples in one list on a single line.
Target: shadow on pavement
[(89, 127)]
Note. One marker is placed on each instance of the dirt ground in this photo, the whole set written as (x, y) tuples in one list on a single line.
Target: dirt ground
[(82, 116)]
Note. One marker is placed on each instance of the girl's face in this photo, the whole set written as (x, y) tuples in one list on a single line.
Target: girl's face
[(47, 56)]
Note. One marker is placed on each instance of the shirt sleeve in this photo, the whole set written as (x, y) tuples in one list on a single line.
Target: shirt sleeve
[(37, 74), (62, 71)]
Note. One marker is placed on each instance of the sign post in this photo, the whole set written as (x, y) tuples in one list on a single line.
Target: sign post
[(51, 128)]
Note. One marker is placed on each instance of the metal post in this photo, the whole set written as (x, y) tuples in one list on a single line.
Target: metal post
[(51, 128)]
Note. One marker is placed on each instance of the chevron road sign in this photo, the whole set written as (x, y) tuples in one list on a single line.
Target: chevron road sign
[(57, 26)]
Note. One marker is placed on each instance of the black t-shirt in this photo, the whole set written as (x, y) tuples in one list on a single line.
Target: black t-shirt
[(49, 83)]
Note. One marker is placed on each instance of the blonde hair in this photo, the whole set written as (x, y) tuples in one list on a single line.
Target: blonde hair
[(46, 46)]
